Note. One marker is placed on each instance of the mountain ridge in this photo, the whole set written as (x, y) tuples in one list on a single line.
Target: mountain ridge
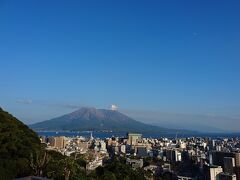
[(97, 120)]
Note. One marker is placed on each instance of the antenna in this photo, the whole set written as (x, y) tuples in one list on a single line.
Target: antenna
[(91, 136)]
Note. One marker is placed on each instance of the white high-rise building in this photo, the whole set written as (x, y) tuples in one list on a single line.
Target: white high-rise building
[(103, 146), (123, 149), (215, 172)]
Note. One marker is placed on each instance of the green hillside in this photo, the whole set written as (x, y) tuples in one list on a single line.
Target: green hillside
[(17, 143)]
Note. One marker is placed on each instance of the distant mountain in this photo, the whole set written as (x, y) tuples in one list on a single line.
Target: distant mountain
[(97, 120), (189, 125)]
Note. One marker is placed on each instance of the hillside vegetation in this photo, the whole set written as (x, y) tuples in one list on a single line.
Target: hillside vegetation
[(17, 143)]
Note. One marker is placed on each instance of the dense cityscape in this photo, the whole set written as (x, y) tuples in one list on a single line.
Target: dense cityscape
[(119, 90), (26, 156), (183, 158)]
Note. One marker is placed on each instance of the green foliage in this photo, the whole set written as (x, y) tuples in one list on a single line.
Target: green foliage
[(109, 176), (119, 170), (63, 167), (81, 162), (21, 154), (167, 176), (17, 143)]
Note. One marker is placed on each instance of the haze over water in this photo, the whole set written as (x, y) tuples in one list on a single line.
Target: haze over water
[(102, 135)]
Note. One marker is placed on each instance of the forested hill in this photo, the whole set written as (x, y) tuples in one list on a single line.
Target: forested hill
[(17, 143)]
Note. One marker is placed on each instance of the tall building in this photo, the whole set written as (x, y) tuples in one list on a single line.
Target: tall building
[(212, 145), (237, 164), (226, 176), (134, 138), (82, 146), (212, 172), (237, 159), (173, 155), (123, 148), (215, 172), (103, 146), (51, 141), (237, 171), (58, 142), (91, 136), (218, 157), (141, 152), (229, 165)]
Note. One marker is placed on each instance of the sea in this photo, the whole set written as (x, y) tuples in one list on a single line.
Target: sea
[(103, 135)]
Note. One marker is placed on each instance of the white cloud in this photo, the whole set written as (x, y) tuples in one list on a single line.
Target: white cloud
[(114, 107), (24, 101)]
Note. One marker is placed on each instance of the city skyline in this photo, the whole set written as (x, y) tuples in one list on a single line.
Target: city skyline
[(173, 60)]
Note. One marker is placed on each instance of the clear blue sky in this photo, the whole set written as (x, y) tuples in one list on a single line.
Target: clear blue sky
[(179, 56)]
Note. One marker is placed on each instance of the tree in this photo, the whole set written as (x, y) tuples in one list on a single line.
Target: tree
[(17, 143), (109, 176), (65, 168), (39, 161)]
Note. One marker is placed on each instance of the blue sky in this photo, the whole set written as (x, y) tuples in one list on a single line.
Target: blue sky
[(162, 56)]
